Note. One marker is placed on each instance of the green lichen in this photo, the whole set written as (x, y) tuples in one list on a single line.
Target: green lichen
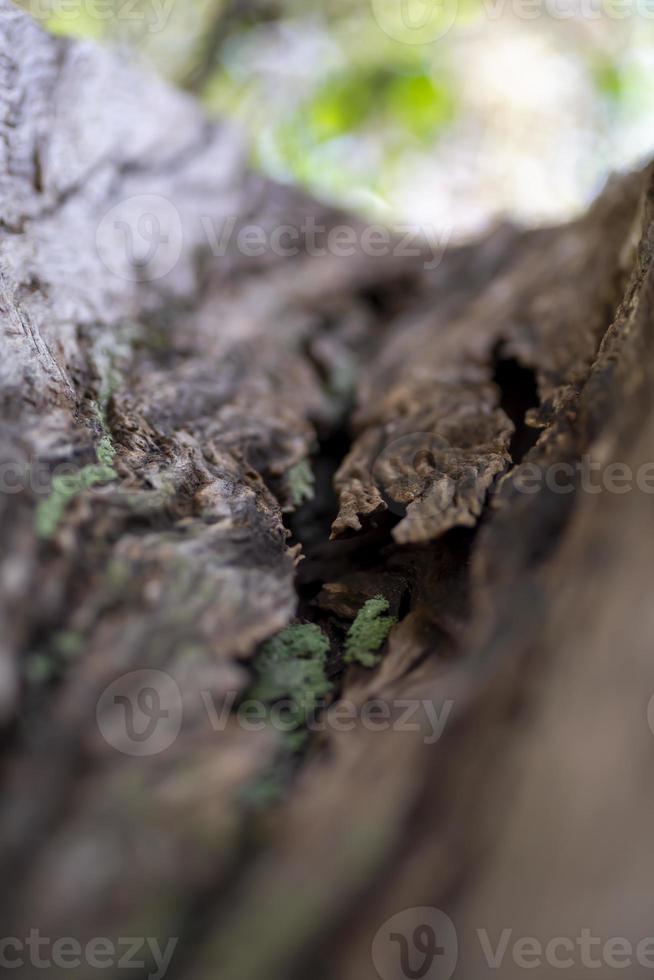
[(106, 452), (264, 791), (67, 644), (111, 353), (368, 633), (40, 669), (117, 577), (49, 663), (50, 512), (303, 641), (292, 667), (301, 482)]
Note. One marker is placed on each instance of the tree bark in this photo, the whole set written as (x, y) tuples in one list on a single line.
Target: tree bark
[(185, 388)]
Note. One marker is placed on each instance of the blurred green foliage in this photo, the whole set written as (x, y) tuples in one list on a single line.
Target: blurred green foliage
[(330, 100)]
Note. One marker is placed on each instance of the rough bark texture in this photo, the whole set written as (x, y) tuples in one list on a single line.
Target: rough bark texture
[(187, 399)]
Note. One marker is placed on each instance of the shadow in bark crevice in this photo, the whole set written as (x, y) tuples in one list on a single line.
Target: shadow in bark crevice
[(519, 394)]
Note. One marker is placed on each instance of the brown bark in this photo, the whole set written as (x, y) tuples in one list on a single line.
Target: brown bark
[(426, 395)]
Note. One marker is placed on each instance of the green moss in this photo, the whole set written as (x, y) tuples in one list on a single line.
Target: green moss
[(50, 512), (106, 452), (264, 791), (300, 482), (305, 640), (118, 576), (67, 644), (40, 669), (112, 352), (49, 663), (368, 633), (292, 666)]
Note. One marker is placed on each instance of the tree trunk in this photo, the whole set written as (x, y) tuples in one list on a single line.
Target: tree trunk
[(471, 431)]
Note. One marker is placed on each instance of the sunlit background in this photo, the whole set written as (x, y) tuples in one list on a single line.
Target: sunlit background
[(447, 114)]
